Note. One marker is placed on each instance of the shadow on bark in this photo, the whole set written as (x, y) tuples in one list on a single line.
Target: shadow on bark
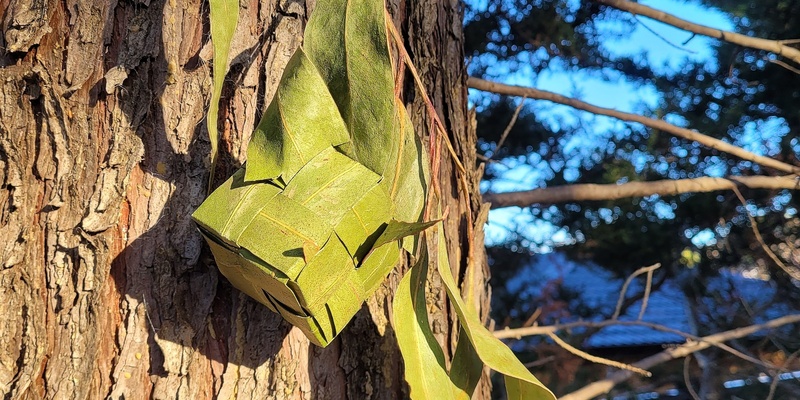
[(185, 304)]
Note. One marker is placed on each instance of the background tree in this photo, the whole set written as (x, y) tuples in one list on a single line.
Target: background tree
[(106, 289), (741, 95)]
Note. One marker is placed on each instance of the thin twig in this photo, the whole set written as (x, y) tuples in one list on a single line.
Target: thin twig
[(774, 46), (628, 281), (597, 360), (431, 110), (509, 126), (648, 286), (754, 225), (434, 146), (687, 379), (519, 333), (785, 65), (537, 363), (536, 313), (491, 161), (437, 123), (773, 386), (470, 267), (667, 41), (603, 386)]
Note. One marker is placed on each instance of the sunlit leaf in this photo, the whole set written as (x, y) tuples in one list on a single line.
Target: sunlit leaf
[(425, 366), (346, 40), (301, 122), (520, 383)]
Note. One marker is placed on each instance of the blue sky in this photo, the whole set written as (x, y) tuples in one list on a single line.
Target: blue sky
[(609, 92)]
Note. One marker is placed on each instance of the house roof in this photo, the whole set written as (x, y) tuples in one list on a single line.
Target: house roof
[(598, 289)]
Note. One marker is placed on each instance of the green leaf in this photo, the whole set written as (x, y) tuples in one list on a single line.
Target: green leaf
[(308, 226), (424, 360), (229, 215), (347, 42), (407, 184), (326, 185), (224, 14), (335, 181), (309, 250), (324, 273), (290, 226), (467, 367), (231, 266), (476, 345), (286, 252), (520, 383), (397, 230), (301, 121)]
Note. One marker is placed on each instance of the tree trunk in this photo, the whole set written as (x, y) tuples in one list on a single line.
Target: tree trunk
[(106, 287)]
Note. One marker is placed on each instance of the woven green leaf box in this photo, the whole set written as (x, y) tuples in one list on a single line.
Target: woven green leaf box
[(311, 251), (312, 224)]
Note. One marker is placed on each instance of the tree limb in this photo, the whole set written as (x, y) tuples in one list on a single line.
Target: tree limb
[(664, 126), (612, 191), (518, 333), (775, 46), (597, 360), (597, 388)]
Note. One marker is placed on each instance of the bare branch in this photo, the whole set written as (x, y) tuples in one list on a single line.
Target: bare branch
[(540, 362), (773, 386), (534, 316), (667, 41), (509, 126), (664, 126), (785, 65), (628, 281), (687, 379), (491, 161), (667, 187), (774, 46), (792, 272), (648, 286), (597, 360), (603, 386), (518, 333)]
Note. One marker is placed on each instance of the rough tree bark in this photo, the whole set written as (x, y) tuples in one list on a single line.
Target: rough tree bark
[(106, 288)]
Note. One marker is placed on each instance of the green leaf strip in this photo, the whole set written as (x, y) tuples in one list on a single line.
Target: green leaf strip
[(520, 383), (423, 358), (224, 15), (301, 122), (425, 367)]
